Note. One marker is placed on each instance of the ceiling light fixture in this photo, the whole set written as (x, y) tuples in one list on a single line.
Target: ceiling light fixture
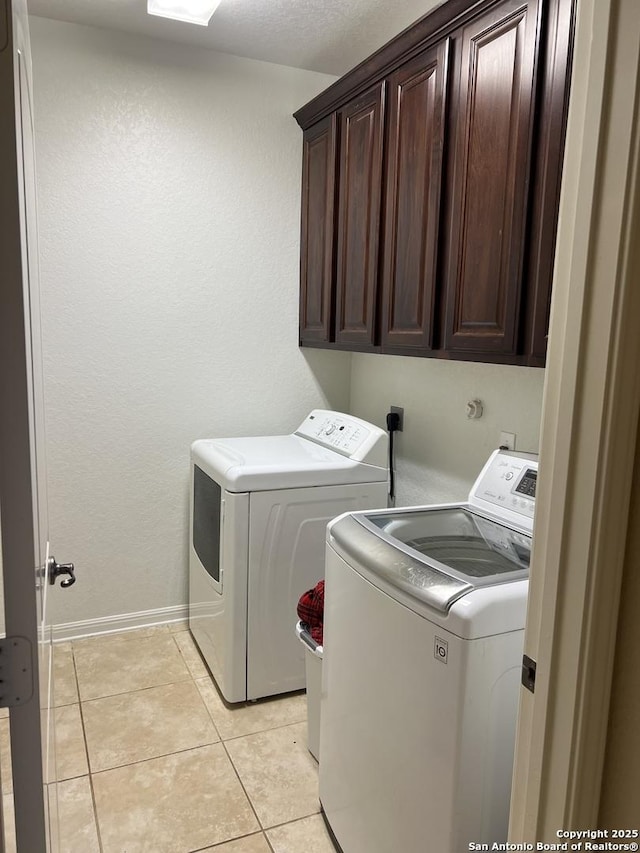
[(191, 11)]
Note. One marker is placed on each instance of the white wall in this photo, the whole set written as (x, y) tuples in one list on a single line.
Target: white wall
[(169, 189), (169, 183), (440, 451)]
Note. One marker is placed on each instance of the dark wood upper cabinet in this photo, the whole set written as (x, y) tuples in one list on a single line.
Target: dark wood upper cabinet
[(444, 151), (415, 143), (554, 77), (317, 237), (490, 171), (360, 182)]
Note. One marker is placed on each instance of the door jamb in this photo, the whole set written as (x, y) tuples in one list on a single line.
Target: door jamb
[(588, 440)]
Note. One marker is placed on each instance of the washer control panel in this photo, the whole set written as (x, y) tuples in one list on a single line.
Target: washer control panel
[(508, 480), (345, 434)]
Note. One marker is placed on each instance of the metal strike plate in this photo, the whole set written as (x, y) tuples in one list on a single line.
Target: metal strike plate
[(528, 676), (16, 672)]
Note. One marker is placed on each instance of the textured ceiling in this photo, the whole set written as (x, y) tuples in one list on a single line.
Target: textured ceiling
[(321, 35)]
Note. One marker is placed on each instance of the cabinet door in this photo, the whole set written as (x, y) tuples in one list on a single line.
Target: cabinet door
[(361, 126), (555, 74), (491, 172), (317, 237), (416, 108)]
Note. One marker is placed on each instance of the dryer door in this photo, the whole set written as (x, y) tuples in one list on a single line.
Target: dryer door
[(206, 529), (218, 581)]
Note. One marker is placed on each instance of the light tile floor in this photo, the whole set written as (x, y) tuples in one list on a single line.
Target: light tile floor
[(151, 760)]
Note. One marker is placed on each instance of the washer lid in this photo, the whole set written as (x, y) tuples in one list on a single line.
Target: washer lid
[(271, 462), (435, 555)]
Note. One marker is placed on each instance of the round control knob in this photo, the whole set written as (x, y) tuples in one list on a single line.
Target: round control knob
[(509, 475), (330, 429)]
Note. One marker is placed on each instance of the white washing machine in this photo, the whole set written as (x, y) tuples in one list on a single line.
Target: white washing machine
[(259, 510), (423, 635)]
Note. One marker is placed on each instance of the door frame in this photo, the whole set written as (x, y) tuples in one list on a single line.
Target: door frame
[(588, 439), (18, 503)]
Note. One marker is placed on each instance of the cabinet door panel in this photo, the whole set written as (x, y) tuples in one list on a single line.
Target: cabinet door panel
[(361, 124), (416, 107), (317, 237), (555, 73), (491, 173)]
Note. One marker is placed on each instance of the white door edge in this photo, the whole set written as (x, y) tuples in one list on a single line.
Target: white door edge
[(588, 439), (21, 503)]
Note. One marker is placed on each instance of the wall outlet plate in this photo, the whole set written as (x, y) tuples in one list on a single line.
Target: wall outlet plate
[(400, 412), (508, 440)]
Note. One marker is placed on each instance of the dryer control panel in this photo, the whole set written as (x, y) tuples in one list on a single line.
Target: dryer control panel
[(350, 436)]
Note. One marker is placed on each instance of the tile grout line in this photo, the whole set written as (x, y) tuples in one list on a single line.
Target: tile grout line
[(223, 741), (262, 830), (265, 829), (155, 757), (86, 747), (206, 707), (140, 690), (264, 731), (186, 662), (231, 840), (92, 773), (189, 677), (114, 635), (245, 734), (162, 754), (246, 793), (249, 704)]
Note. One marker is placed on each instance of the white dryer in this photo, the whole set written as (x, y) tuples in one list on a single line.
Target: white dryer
[(259, 510), (423, 633)]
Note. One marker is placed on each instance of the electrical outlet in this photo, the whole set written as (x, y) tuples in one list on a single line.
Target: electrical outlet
[(400, 412), (508, 440)]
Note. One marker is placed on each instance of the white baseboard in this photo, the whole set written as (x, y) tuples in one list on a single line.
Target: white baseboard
[(124, 622)]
